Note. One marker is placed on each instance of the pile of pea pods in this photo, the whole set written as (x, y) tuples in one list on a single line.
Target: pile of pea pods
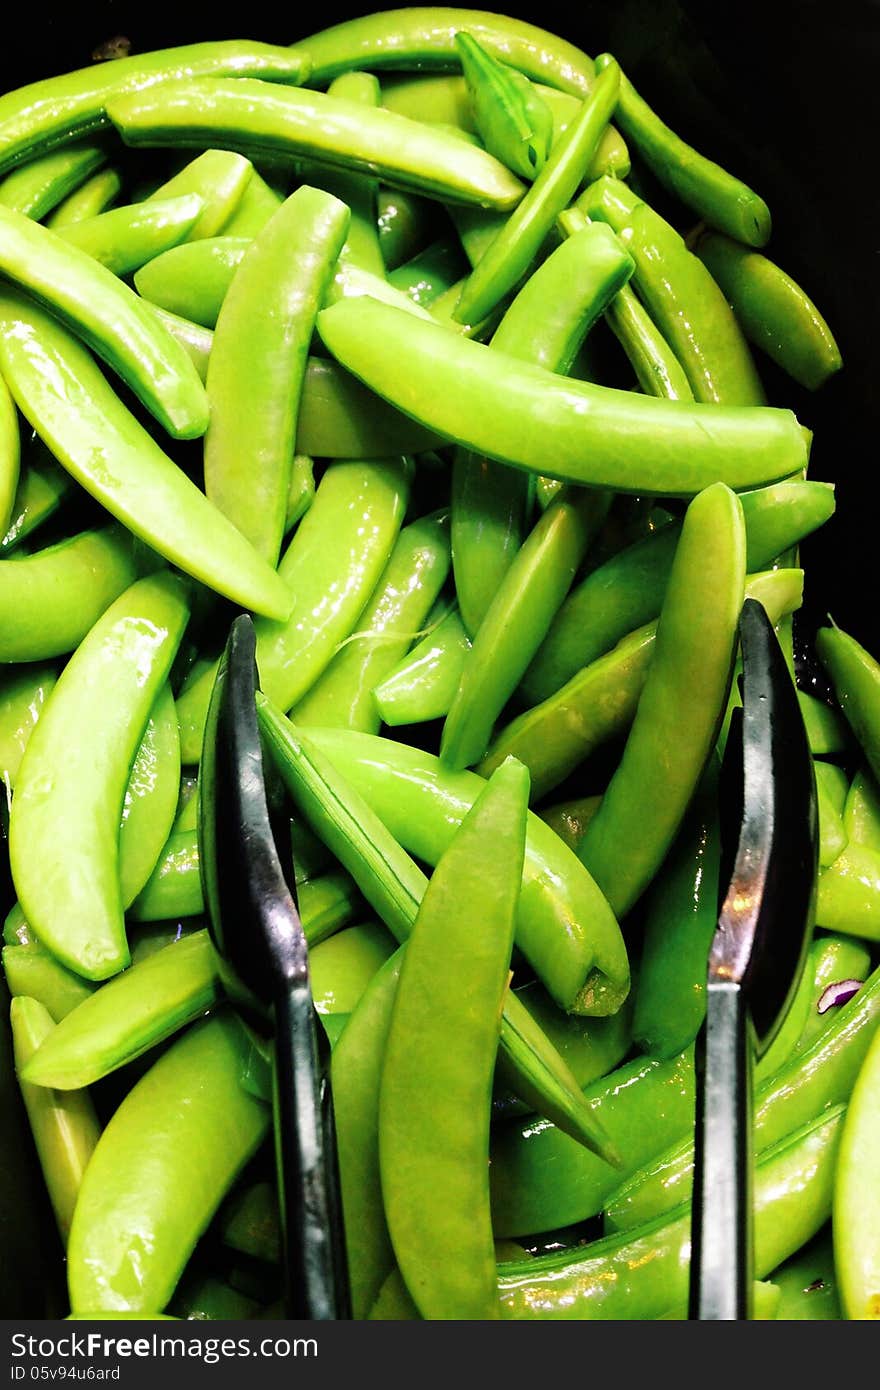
[(425, 341)]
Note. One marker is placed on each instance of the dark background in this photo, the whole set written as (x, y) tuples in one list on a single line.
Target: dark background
[(785, 93)]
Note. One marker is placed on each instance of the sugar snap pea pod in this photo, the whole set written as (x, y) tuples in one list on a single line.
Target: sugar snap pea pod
[(691, 668), (342, 966), (644, 1273), (42, 487), (125, 238), (301, 493), (149, 937), (832, 961), (513, 120), (331, 567), (35, 973), (430, 273), (10, 456), (848, 895), (65, 1127), (409, 585), (174, 888), (422, 686), (102, 310), (89, 200), (810, 1081), (827, 732), (150, 800), (73, 775), (192, 279), (594, 435), (49, 600), (682, 298), (163, 1165), (658, 370), (855, 676), (16, 931), (58, 109), (24, 691), (327, 904), (258, 362), (356, 191), (436, 1189), (517, 619), (564, 926), (394, 886), (856, 1215), (42, 183), (257, 117), (808, 1284), (220, 178), (774, 312), (63, 394), (570, 818), (250, 1222), (832, 836), (513, 250), (861, 813), (405, 223), (716, 196), (257, 205), (204, 1298), (143, 1006)]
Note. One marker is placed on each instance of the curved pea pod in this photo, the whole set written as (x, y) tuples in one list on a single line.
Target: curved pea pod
[(109, 317), (42, 487), (23, 693), (57, 109), (342, 967), (50, 600), (255, 208), (644, 803), (163, 1165), (429, 274), (855, 676), (89, 200), (150, 802), (253, 116), (716, 196), (330, 568), (658, 370), (513, 120), (644, 1273), (174, 887), (73, 775), (340, 419), (125, 238), (416, 571), (301, 493), (35, 973), (423, 685), (42, 183), (827, 731), (405, 223), (142, 1007), (250, 1222), (327, 904), (193, 279), (774, 312), (258, 362), (861, 812), (848, 895), (808, 1285), (16, 931), (856, 1220), (830, 798), (564, 926), (64, 1126), (594, 435), (570, 818), (220, 178), (832, 961), (10, 456), (61, 391)]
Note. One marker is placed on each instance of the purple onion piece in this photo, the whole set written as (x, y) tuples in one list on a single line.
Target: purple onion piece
[(838, 993)]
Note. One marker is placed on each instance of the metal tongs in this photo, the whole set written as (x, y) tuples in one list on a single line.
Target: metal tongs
[(769, 846), (263, 962)]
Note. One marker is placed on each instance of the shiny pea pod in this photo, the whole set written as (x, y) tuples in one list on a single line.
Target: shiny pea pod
[(10, 456), (861, 812), (150, 801), (255, 208), (34, 972), (174, 888), (51, 599), (564, 927), (258, 362), (44, 182), (24, 691), (423, 685), (830, 959), (65, 1126), (192, 280), (807, 1283), (404, 222), (646, 799), (434, 1166), (830, 800), (855, 676), (513, 120), (330, 568), (219, 178), (142, 1007), (42, 487), (301, 493), (430, 273), (570, 818), (73, 775), (126, 238), (342, 967), (63, 394), (358, 193), (856, 1218), (848, 893), (327, 904), (594, 435), (658, 370), (89, 200), (166, 1160), (827, 731)]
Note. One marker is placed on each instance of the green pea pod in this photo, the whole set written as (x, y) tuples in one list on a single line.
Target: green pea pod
[(513, 120), (340, 418), (358, 193), (142, 1007), (330, 568), (682, 298), (436, 1196), (404, 224), (832, 836), (512, 251), (60, 390), (861, 814), (24, 691), (848, 895), (42, 487), (564, 926), (570, 818), (714, 195), (57, 109), (203, 1298), (126, 238), (174, 888), (855, 676), (775, 314), (430, 273), (594, 435), (827, 732), (258, 362), (810, 1081), (102, 310), (163, 1165), (16, 931), (831, 959), (73, 775), (89, 200), (658, 370), (34, 972), (644, 1273), (808, 1284), (327, 904), (648, 795), (517, 620), (192, 280), (150, 801), (220, 178), (301, 493), (342, 967), (10, 456), (255, 208), (856, 1217), (42, 183), (50, 600), (415, 572), (423, 685), (259, 117), (250, 1222)]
